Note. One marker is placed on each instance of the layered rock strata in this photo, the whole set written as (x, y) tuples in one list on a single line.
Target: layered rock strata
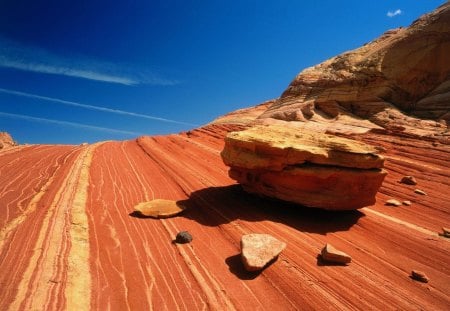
[(399, 82), (309, 168)]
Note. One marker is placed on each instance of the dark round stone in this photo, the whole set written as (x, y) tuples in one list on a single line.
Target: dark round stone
[(183, 237)]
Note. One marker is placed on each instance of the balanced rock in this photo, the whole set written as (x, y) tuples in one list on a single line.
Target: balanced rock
[(159, 208), (257, 250), (408, 180), (332, 255), (305, 167)]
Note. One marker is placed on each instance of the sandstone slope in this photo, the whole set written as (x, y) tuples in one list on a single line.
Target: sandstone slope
[(67, 239)]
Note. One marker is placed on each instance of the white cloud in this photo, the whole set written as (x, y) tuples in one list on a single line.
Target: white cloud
[(92, 107), (34, 59), (394, 13), (66, 123)]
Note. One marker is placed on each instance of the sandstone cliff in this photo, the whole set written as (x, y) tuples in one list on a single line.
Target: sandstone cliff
[(399, 82)]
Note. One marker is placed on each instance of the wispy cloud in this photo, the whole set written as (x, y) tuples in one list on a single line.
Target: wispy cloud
[(92, 107), (66, 123), (35, 59), (394, 13)]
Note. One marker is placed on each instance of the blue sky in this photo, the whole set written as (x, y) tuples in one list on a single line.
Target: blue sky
[(89, 70)]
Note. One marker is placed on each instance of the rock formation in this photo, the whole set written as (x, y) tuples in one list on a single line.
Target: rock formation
[(309, 168), (67, 240), (399, 82), (6, 141)]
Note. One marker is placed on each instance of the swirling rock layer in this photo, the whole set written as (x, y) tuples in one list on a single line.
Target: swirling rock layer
[(399, 82), (55, 254), (68, 241)]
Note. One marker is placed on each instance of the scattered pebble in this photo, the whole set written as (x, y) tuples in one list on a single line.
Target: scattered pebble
[(159, 208), (419, 276), (257, 250), (418, 191), (393, 202), (183, 237), (331, 254), (445, 232), (409, 180), (407, 203)]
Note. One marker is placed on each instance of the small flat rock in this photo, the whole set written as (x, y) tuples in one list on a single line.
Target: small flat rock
[(331, 254), (257, 250), (183, 237), (418, 191), (408, 180), (407, 203), (159, 208), (393, 202), (419, 276)]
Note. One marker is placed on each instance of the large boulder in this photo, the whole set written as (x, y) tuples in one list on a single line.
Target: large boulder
[(305, 167)]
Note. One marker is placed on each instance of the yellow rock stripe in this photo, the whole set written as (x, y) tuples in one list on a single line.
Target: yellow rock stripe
[(78, 288), (38, 288)]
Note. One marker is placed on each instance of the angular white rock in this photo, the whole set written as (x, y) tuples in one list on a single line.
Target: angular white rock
[(257, 250)]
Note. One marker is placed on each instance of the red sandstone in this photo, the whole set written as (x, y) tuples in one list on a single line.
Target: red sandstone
[(133, 264), (69, 239)]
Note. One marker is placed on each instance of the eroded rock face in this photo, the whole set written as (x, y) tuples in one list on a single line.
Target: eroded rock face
[(309, 168), (6, 141), (399, 82)]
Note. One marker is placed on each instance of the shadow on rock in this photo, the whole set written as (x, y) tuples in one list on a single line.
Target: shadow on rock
[(236, 267), (219, 205), (324, 263), (136, 214)]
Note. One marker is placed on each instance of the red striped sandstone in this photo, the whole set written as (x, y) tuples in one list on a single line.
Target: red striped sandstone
[(67, 239)]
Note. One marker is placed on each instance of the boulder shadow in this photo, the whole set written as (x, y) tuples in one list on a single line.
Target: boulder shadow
[(136, 214), (236, 267), (215, 206), (324, 263)]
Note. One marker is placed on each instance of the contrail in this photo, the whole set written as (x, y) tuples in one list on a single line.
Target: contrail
[(35, 59), (91, 107), (66, 123)]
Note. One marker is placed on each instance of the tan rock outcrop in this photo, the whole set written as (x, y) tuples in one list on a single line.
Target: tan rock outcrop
[(6, 141), (399, 82), (309, 168)]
